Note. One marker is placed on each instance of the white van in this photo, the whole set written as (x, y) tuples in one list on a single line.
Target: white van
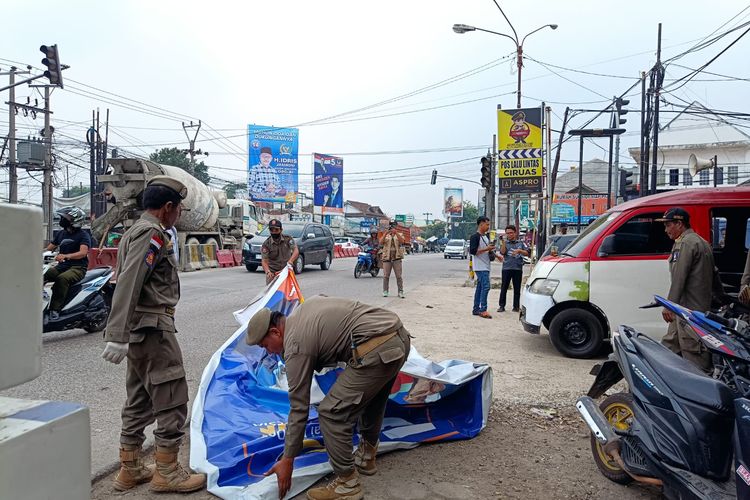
[(456, 248), (620, 262)]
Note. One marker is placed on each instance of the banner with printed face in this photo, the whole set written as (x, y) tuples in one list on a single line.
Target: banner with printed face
[(329, 184), (273, 172), (453, 202), (239, 415), (520, 166), (565, 208)]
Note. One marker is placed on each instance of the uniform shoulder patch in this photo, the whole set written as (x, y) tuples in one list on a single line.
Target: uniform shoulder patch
[(155, 245)]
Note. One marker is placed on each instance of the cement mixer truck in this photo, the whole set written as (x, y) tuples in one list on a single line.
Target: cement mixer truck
[(212, 219)]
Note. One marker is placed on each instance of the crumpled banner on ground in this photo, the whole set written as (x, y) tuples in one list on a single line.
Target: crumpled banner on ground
[(239, 415)]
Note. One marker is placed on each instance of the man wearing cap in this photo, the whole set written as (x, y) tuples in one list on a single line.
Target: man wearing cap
[(278, 251), (141, 328), (691, 266), (264, 182), (321, 332)]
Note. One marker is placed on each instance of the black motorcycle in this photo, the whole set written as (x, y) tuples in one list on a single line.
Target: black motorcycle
[(676, 427)]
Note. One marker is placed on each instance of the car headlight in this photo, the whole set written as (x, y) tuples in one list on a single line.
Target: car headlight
[(544, 286), (246, 246)]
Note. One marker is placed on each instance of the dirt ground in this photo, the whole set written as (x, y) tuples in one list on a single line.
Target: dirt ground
[(520, 455), (534, 446)]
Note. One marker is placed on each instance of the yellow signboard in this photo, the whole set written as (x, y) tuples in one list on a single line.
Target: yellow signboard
[(520, 164)]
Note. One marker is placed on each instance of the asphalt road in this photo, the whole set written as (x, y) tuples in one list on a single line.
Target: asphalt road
[(74, 371)]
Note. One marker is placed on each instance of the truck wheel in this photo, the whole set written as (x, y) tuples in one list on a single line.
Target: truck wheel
[(326, 264), (251, 267), (192, 241), (299, 264), (618, 409), (576, 333)]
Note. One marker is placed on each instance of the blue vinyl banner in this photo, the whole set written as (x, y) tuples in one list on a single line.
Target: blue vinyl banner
[(239, 416), (329, 184), (273, 170)]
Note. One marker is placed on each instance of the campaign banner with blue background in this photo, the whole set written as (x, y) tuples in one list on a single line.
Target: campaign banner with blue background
[(329, 184), (239, 416), (273, 164)]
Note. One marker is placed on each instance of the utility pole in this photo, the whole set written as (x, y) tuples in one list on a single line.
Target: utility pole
[(12, 172), (427, 217), (659, 78), (492, 205), (47, 185), (12, 165), (646, 135), (192, 152), (91, 139)]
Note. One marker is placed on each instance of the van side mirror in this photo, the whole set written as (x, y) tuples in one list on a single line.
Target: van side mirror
[(310, 236), (607, 247)]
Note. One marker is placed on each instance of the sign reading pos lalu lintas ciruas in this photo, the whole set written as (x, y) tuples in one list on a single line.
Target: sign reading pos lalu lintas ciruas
[(519, 166)]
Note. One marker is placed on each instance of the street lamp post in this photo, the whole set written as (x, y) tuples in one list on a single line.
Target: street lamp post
[(465, 28)]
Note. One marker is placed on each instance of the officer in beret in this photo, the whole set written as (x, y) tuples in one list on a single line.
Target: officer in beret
[(278, 251), (263, 180), (141, 328), (321, 332), (691, 266)]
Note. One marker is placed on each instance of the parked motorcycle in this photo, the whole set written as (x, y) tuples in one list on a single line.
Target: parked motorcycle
[(675, 427), (87, 305), (366, 263)]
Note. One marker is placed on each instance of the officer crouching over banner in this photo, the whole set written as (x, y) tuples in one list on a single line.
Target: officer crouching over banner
[(141, 327), (321, 332)]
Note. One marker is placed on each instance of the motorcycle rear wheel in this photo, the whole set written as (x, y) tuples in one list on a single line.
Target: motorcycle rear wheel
[(358, 270), (618, 409), (374, 272)]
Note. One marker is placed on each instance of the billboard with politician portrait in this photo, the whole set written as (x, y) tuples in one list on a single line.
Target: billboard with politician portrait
[(453, 202), (272, 174), (329, 184)]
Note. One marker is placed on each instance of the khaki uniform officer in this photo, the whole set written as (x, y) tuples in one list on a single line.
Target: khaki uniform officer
[(691, 266), (141, 327), (279, 250), (393, 257), (320, 333)]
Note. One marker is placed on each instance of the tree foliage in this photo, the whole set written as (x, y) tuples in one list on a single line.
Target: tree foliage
[(232, 188), (75, 191), (178, 158)]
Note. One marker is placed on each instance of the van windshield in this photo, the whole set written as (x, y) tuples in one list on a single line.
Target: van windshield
[(591, 233)]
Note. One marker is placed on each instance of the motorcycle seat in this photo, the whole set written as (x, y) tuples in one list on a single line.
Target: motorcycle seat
[(93, 274), (683, 377)]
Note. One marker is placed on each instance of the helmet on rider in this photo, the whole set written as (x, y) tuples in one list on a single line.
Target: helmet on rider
[(71, 217), (373, 230)]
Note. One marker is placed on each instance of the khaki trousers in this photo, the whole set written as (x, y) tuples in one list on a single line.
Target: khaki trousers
[(397, 268), (359, 396), (62, 283), (156, 391), (681, 340)]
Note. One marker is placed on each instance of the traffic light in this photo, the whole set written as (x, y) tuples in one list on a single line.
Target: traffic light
[(620, 103), (433, 179), (52, 61), (626, 184), (486, 173)]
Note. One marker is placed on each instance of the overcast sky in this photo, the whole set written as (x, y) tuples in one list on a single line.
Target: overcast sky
[(285, 63)]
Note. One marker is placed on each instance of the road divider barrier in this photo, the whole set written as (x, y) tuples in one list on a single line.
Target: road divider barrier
[(102, 257), (225, 258), (237, 255), (190, 258), (208, 255)]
